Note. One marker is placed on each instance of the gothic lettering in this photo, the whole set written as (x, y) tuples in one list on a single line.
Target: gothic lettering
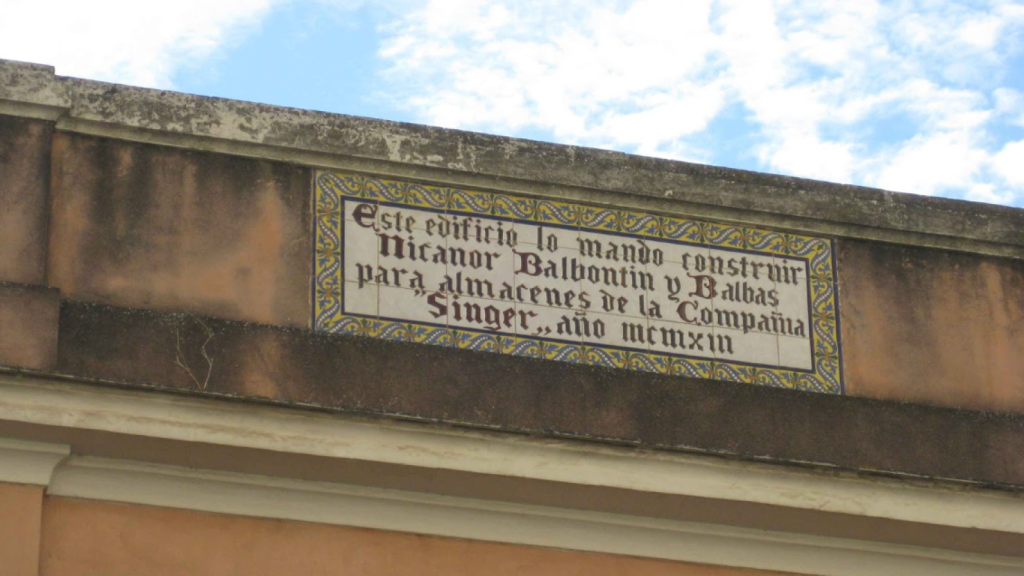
[(617, 291)]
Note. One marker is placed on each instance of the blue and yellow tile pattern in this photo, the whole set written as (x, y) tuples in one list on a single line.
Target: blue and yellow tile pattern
[(332, 187)]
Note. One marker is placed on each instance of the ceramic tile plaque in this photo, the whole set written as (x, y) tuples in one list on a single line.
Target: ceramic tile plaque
[(574, 283)]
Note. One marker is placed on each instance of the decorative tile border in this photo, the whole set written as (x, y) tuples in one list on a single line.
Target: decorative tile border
[(333, 189)]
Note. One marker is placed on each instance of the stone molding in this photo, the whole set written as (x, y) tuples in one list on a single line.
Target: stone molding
[(515, 394), (265, 497), (146, 414), (505, 164), (27, 462)]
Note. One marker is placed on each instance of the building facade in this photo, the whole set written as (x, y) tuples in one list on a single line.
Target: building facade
[(243, 339)]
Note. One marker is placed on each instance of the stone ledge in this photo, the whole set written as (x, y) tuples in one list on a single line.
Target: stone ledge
[(527, 396), (447, 155)]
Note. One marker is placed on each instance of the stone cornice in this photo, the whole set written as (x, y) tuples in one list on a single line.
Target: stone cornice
[(505, 164)]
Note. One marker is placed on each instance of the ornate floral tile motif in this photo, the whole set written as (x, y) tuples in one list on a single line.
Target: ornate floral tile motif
[(574, 283)]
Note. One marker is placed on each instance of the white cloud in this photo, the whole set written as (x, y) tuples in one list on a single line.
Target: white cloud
[(1009, 163), (807, 155), (662, 117), (130, 41), (586, 71), (1009, 103), (980, 32), (929, 164), (909, 95)]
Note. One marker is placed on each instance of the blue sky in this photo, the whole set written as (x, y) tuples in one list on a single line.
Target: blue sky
[(917, 96)]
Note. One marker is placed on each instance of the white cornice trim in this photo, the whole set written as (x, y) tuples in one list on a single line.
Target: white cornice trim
[(250, 495), (246, 425), (23, 462)]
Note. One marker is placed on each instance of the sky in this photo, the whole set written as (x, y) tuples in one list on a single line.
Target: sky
[(920, 96)]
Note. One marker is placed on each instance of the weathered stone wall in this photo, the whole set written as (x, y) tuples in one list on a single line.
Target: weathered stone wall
[(165, 240), (538, 397), (169, 229), (151, 227), (24, 197), (932, 326), (28, 326)]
